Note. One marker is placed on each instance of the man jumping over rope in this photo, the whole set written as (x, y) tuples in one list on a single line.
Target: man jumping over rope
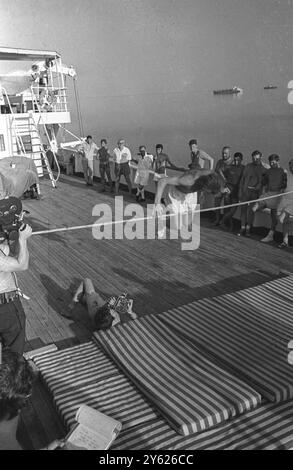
[(182, 193)]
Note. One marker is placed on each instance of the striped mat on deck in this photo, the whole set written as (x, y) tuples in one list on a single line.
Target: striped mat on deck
[(83, 374), (72, 367), (191, 392), (269, 427), (247, 332)]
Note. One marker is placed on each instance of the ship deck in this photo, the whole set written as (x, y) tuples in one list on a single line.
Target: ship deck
[(157, 274)]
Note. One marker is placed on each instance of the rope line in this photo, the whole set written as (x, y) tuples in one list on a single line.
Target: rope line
[(165, 216), (80, 123)]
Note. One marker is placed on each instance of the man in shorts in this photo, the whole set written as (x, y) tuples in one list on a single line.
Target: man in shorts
[(103, 314), (122, 157)]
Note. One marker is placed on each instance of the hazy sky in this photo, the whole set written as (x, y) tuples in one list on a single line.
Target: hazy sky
[(141, 63)]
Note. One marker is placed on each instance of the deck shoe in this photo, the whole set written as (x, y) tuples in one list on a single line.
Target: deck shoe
[(283, 245)]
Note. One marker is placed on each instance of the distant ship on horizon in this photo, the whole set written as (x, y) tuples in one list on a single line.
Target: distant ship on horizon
[(270, 87), (228, 91)]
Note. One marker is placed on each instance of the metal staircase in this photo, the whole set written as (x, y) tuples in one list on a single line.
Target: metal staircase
[(26, 141)]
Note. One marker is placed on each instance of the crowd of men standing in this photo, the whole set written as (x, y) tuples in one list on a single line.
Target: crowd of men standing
[(243, 182)]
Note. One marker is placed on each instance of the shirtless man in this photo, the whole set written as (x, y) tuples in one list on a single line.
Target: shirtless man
[(182, 192), (161, 162), (199, 157)]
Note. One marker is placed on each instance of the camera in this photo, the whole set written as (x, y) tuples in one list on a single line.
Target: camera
[(11, 219)]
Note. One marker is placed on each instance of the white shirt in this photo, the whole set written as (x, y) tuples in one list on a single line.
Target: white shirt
[(145, 163), (122, 156), (89, 150), (7, 281)]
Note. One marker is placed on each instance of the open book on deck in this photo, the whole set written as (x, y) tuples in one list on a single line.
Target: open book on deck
[(94, 430)]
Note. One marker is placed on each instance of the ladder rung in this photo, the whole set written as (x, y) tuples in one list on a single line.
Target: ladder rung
[(27, 126)]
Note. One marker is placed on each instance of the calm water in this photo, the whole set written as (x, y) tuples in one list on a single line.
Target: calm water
[(258, 119)]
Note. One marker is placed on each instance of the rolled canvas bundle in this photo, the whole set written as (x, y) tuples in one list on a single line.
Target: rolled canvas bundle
[(17, 175)]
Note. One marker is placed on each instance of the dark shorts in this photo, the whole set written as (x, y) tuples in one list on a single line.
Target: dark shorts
[(122, 169), (12, 326), (105, 166)]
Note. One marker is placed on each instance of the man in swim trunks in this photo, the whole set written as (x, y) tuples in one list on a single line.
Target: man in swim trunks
[(182, 192), (103, 314)]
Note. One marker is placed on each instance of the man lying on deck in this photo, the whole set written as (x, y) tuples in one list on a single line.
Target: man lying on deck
[(182, 193), (103, 314)]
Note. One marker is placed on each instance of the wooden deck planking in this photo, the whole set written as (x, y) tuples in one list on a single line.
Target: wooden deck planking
[(156, 273)]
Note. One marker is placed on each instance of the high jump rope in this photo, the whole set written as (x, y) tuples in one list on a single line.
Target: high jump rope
[(165, 216)]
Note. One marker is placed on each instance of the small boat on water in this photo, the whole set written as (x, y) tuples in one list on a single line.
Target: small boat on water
[(228, 91), (270, 87)]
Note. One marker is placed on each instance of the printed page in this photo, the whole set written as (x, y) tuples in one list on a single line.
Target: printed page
[(84, 438), (98, 422)]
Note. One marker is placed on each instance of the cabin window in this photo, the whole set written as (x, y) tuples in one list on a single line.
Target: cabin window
[(2, 143), (27, 142)]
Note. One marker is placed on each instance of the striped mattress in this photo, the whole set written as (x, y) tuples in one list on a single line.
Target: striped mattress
[(267, 427), (191, 392), (74, 367), (83, 374), (246, 332), (210, 375)]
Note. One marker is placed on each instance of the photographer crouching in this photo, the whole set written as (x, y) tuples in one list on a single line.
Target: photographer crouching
[(12, 231)]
